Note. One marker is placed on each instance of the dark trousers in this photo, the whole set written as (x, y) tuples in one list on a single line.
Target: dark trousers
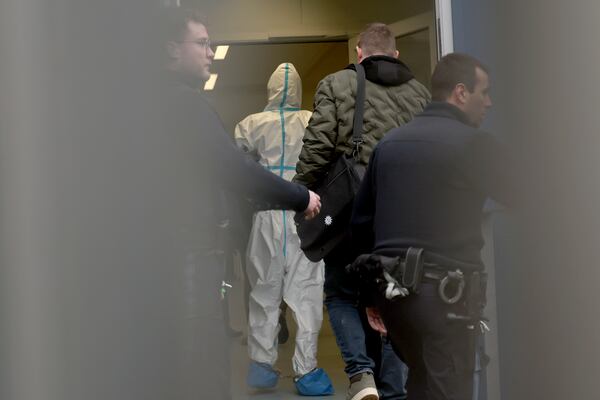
[(203, 342), (440, 353)]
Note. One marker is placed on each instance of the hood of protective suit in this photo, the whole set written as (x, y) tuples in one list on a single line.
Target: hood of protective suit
[(284, 89)]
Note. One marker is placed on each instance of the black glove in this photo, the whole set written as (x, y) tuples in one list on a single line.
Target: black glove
[(368, 270)]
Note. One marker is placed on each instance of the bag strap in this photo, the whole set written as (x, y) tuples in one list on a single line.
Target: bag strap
[(359, 109)]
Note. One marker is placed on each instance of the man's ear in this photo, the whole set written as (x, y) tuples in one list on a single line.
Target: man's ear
[(396, 54), (359, 54), (173, 50), (461, 93)]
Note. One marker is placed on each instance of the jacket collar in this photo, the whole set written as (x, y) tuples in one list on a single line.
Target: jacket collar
[(445, 110), (182, 82), (385, 71)]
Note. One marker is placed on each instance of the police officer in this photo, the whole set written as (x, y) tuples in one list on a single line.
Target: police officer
[(421, 201), (199, 163)]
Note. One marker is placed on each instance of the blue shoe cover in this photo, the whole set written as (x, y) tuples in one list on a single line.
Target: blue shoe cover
[(261, 376), (315, 383)]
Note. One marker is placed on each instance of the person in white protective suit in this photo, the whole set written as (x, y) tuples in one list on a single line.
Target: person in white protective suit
[(277, 268)]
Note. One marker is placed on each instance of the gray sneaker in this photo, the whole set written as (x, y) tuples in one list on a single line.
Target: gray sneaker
[(362, 387)]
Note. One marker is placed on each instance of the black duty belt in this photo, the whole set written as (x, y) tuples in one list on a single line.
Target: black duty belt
[(418, 266), (403, 275)]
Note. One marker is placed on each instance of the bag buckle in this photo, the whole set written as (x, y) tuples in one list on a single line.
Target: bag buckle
[(356, 147)]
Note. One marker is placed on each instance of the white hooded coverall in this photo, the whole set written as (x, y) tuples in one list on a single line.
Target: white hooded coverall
[(277, 268)]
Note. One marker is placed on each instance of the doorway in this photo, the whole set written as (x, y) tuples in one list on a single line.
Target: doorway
[(241, 90)]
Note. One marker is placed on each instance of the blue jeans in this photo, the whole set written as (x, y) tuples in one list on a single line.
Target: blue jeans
[(363, 349), (392, 374)]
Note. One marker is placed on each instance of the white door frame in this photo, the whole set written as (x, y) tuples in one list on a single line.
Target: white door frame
[(445, 34)]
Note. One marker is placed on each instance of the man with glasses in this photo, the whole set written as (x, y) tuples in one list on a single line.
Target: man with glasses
[(192, 55), (201, 163)]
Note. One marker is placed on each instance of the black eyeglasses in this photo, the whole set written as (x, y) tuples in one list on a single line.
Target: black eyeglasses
[(205, 43)]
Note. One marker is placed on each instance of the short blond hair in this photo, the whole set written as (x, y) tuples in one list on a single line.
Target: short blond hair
[(377, 39)]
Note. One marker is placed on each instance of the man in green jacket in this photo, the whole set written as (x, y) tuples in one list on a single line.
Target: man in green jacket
[(392, 98)]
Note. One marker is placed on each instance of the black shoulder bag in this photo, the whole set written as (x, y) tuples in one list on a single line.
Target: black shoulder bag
[(338, 188)]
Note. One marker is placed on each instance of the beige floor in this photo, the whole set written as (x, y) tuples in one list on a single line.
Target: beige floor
[(329, 358)]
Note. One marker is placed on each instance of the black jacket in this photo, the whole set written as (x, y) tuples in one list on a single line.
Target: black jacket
[(426, 185), (202, 161)]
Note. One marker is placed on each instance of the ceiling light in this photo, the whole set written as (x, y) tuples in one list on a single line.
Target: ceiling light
[(210, 83), (221, 52)]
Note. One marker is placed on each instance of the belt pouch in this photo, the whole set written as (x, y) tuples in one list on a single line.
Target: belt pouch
[(476, 294), (413, 269)]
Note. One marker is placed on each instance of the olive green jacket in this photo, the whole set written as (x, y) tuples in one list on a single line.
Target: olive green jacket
[(329, 131)]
